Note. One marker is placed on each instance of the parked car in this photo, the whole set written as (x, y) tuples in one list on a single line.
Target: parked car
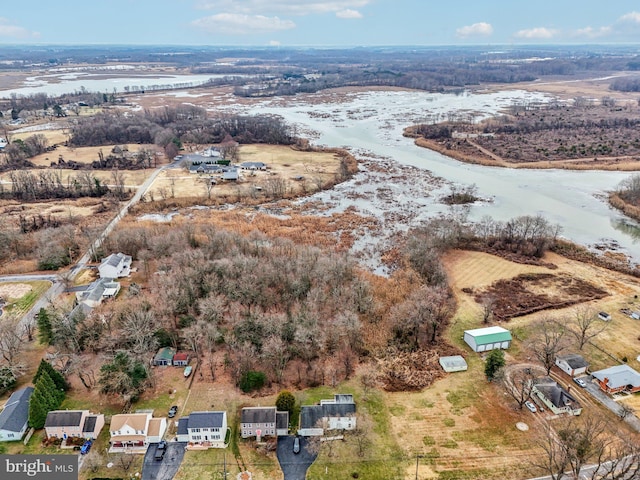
[(187, 371), (530, 406), (580, 382), (160, 449), (296, 445), (173, 411), (86, 446)]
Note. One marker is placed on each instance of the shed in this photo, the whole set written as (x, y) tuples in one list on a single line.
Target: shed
[(572, 364), (454, 363), (181, 359), (489, 338), (164, 356)]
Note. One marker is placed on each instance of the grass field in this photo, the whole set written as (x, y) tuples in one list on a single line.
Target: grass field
[(17, 307)]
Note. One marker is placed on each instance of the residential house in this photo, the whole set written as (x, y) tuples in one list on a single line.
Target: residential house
[(116, 265), (133, 432), (203, 430), (619, 378), (97, 291), (164, 357), (572, 364), (14, 415), (231, 175), (489, 338), (338, 413), (263, 422), (253, 166), (556, 398), (73, 423), (181, 359), (454, 363)]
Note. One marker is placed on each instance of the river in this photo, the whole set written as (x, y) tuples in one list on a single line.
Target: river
[(370, 125)]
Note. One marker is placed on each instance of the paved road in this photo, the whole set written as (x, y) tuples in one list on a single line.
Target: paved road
[(166, 469), (294, 465)]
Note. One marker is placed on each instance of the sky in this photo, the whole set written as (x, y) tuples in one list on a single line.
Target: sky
[(332, 23)]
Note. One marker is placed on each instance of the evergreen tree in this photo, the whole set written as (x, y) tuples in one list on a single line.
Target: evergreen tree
[(45, 397), (37, 410), (286, 402), (58, 379), (45, 331), (495, 361)]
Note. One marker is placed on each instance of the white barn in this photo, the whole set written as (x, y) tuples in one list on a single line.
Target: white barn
[(489, 338)]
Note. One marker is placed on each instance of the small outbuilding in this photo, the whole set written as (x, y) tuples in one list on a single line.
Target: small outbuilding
[(572, 364), (454, 363), (604, 316), (489, 338), (164, 357), (181, 359)]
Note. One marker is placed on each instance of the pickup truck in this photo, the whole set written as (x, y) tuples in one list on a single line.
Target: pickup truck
[(160, 449)]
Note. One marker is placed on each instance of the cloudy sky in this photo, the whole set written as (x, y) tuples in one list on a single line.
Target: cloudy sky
[(319, 22)]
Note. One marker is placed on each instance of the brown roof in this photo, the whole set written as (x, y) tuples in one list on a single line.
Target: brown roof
[(154, 427), (181, 356), (137, 421)]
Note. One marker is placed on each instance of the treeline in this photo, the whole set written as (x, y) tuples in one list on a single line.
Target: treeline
[(17, 153), (27, 186), (625, 84), (178, 125)]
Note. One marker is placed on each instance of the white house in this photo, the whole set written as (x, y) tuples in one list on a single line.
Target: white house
[(203, 430), (98, 291), (132, 432), (15, 414), (556, 398), (489, 338), (116, 265), (338, 413), (572, 364)]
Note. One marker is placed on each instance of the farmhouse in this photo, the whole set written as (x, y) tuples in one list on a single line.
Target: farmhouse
[(253, 166), (572, 364), (338, 413), (263, 420), (164, 357), (619, 378), (455, 363), (203, 430), (489, 338), (14, 416), (132, 432), (73, 423), (556, 398), (116, 265)]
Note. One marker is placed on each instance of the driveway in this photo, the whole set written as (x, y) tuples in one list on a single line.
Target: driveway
[(168, 467), (294, 465), (608, 402)]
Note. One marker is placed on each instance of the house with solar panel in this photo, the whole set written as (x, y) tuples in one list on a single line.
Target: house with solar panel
[(73, 423)]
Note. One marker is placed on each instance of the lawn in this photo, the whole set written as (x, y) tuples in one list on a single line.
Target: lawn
[(17, 307)]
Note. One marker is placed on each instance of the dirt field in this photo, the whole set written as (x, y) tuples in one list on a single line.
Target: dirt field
[(13, 291)]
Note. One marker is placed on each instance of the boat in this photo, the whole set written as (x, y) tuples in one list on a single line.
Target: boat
[(187, 370)]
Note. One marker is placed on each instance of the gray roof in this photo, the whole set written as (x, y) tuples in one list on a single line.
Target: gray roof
[(206, 419), (555, 393), (89, 424), (183, 423), (619, 376), (453, 361), (574, 360), (63, 418), (16, 410), (310, 416), (230, 175), (115, 258), (282, 420), (258, 415)]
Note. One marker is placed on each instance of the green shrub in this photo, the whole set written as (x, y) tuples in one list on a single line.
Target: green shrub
[(252, 380)]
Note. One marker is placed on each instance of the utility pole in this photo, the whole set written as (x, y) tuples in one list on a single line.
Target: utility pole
[(418, 457)]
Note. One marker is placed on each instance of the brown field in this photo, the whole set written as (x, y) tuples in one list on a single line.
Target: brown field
[(13, 291), (84, 155)]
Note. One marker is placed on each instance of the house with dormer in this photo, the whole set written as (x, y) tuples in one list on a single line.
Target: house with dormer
[(132, 432)]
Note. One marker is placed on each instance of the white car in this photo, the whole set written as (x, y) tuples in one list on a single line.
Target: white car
[(580, 382), (530, 406)]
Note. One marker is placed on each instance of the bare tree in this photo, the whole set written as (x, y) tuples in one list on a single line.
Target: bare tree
[(361, 434), (585, 326), (547, 342), (518, 383), (11, 343), (488, 304)]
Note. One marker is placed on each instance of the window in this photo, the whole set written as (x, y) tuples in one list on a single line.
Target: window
[(10, 435), (195, 430), (205, 429), (197, 437)]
